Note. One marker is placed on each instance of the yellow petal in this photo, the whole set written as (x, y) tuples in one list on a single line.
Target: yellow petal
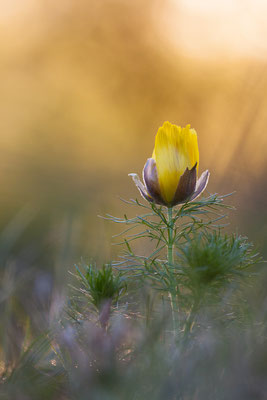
[(175, 150)]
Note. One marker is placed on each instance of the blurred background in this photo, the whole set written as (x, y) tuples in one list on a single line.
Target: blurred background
[(85, 86)]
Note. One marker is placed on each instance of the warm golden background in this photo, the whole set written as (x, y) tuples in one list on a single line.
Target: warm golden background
[(85, 86)]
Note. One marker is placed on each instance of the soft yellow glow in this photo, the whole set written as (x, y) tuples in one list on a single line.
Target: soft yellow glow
[(175, 150)]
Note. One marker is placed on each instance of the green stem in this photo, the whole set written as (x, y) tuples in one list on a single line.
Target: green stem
[(172, 293), (170, 236)]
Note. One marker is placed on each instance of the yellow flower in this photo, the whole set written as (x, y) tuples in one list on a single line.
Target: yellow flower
[(170, 176)]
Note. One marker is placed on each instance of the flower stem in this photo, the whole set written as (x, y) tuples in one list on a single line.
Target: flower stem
[(170, 236), (172, 293)]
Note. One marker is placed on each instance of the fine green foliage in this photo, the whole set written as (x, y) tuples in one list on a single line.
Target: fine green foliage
[(212, 258), (100, 285), (203, 214), (206, 258)]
